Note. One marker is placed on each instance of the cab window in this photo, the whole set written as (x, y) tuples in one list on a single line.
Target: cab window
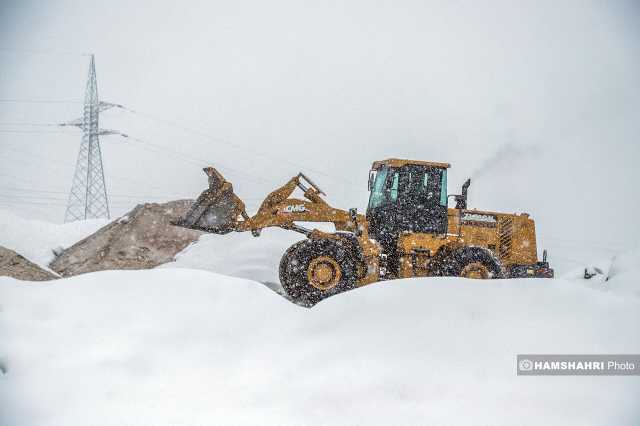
[(443, 188), (393, 192), (378, 188)]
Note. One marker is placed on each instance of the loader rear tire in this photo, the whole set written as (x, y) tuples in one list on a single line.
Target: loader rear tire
[(313, 270)]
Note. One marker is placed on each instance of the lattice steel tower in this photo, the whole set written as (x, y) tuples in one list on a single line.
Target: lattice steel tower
[(88, 197)]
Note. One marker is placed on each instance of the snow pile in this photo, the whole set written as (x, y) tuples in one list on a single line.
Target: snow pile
[(617, 274), (37, 240), (184, 347), (178, 346), (624, 274), (239, 254)]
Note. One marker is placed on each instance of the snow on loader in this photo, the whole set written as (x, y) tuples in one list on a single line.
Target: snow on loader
[(407, 231)]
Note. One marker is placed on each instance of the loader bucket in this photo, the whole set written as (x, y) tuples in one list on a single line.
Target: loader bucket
[(216, 210)]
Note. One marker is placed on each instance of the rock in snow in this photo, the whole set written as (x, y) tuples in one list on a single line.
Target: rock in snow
[(16, 266), (141, 239)]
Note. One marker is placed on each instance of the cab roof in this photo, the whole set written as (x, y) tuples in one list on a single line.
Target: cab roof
[(397, 162)]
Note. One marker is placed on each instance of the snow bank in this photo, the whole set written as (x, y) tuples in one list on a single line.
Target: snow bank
[(185, 347), (178, 346), (239, 254), (36, 240), (617, 274)]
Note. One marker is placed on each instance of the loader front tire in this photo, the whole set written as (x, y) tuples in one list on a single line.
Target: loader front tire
[(287, 258), (313, 270)]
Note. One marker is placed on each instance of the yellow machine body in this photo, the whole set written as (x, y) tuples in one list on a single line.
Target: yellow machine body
[(474, 244), (510, 237)]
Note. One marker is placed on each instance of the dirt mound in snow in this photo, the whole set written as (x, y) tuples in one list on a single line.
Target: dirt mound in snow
[(141, 239), (16, 266)]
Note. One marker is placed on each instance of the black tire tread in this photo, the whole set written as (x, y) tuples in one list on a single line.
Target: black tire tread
[(294, 265), (467, 255)]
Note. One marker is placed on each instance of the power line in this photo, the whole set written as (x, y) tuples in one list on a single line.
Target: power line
[(59, 165), (22, 197), (149, 145), (129, 181), (30, 197), (22, 123), (42, 51), (58, 204), (41, 101), (49, 191), (193, 160), (126, 199), (30, 203), (214, 139), (158, 148), (40, 132), (198, 162)]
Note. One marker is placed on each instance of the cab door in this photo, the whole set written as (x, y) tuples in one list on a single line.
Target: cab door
[(407, 199), (419, 206)]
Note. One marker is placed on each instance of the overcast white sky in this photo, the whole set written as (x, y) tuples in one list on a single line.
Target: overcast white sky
[(538, 101)]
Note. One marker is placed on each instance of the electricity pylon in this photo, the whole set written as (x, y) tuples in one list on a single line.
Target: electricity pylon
[(88, 197)]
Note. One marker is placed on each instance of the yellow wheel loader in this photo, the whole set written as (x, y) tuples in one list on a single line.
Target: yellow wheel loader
[(407, 231)]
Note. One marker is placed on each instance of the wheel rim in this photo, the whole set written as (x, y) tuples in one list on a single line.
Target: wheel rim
[(324, 273), (475, 270)]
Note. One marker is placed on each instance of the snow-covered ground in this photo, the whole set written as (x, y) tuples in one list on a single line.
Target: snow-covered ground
[(37, 240), (622, 266), (239, 255), (179, 346)]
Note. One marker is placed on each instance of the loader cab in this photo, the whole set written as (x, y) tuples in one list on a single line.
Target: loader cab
[(406, 196)]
